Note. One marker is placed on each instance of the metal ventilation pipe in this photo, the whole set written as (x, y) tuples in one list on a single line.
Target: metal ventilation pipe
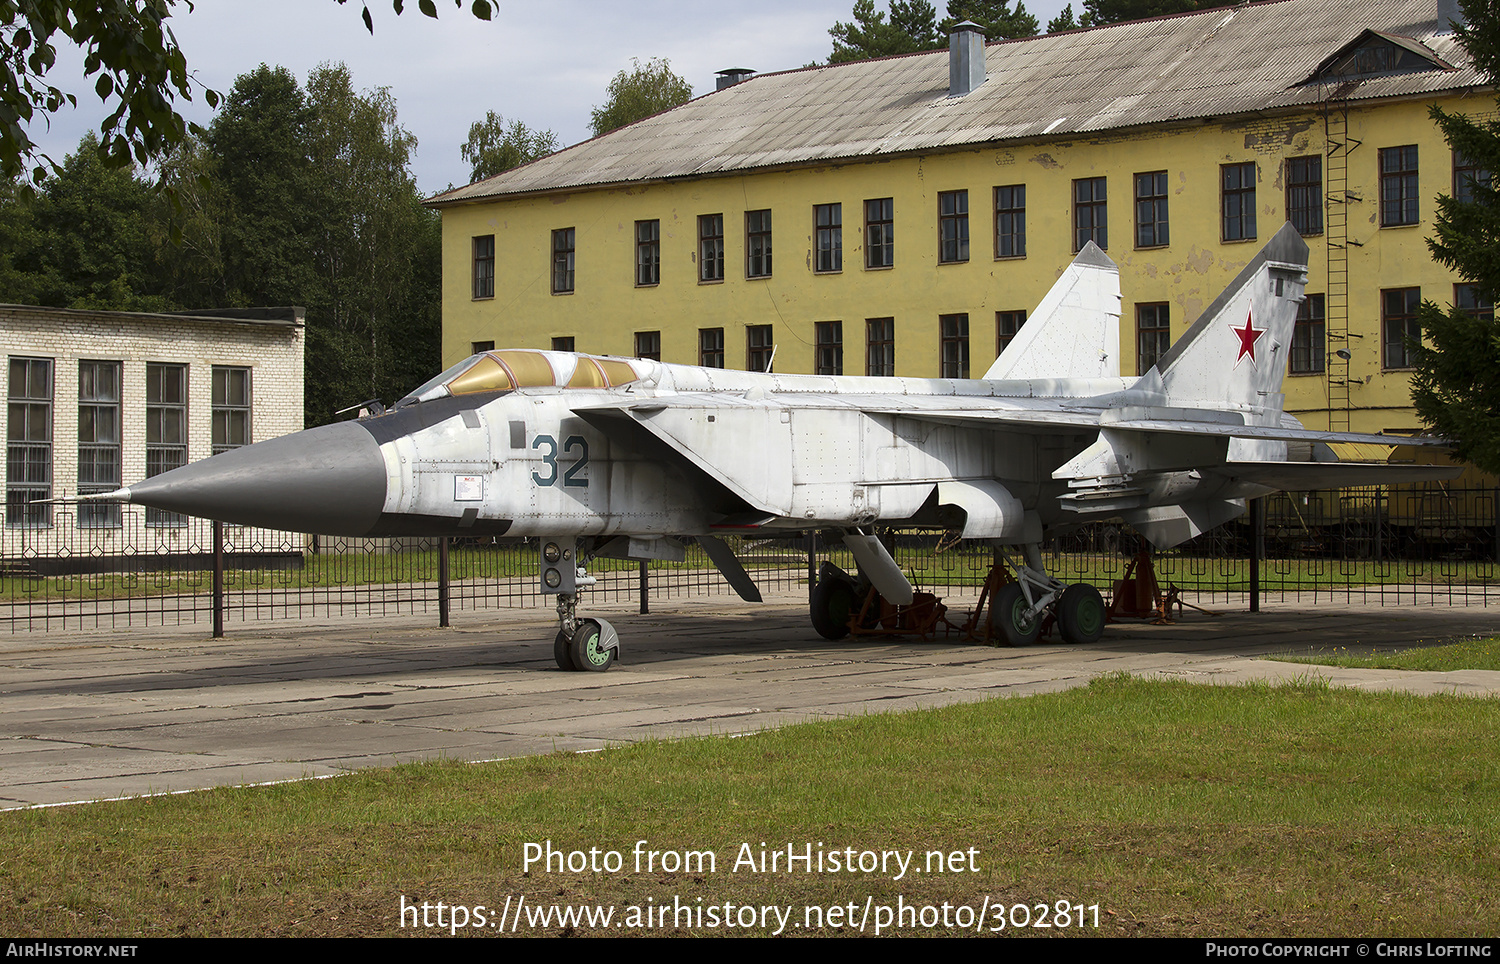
[(966, 57)]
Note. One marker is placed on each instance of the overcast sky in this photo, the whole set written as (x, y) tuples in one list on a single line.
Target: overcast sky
[(543, 63)]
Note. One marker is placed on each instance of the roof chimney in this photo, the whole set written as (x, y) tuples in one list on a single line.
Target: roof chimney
[(731, 76), (1448, 13), (966, 57)]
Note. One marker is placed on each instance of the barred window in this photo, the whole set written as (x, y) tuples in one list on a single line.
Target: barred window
[(757, 244), (1090, 213), (880, 346), (28, 456), (231, 408), (953, 227), (1238, 201), (1151, 210), (1309, 337), (166, 429), (98, 441), (647, 253)]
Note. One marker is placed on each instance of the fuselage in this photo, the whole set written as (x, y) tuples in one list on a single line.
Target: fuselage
[(531, 443)]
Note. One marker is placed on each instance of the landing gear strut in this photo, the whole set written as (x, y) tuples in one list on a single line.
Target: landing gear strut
[(581, 645), (1021, 607)]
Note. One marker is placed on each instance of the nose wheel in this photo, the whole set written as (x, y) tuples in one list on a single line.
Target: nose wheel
[(581, 645)]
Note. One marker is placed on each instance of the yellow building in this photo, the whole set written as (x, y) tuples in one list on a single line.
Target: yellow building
[(900, 216)]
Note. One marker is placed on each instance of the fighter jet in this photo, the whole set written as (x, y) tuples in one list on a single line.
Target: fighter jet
[(602, 456)]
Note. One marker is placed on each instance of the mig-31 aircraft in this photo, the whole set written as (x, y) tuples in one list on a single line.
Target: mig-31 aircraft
[(603, 456)]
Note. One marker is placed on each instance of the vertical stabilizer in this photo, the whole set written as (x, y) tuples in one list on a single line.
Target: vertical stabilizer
[(1075, 331), (1235, 354)]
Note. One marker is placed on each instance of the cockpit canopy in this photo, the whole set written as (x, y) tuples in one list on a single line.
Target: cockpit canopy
[(509, 369)]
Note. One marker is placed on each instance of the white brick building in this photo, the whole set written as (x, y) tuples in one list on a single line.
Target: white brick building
[(97, 399)]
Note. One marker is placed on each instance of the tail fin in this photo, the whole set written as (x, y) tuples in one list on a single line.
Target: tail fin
[(1075, 331), (1236, 353)]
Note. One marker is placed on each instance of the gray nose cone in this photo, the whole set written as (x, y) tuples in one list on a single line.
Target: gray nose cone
[(328, 480)]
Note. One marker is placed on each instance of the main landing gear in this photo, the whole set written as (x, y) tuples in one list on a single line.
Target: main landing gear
[(581, 645), (1013, 609)]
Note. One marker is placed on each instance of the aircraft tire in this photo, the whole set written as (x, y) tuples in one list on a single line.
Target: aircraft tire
[(1010, 606), (587, 655), (562, 652), (1081, 614), (831, 606)]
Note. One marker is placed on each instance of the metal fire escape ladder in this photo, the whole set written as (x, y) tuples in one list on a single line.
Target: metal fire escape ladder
[(1336, 233)]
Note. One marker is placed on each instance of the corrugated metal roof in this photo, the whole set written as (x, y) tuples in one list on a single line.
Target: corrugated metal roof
[(1215, 63)]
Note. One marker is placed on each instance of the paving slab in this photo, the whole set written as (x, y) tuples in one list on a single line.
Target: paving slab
[(116, 712)]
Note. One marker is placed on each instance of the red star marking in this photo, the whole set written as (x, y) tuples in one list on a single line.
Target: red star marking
[(1248, 336)]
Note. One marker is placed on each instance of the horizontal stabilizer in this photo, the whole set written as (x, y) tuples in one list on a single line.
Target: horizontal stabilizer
[(1306, 476)]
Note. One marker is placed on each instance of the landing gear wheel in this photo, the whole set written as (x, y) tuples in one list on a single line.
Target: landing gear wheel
[(832, 604), (588, 654), (562, 652), (1080, 614), (1010, 612)]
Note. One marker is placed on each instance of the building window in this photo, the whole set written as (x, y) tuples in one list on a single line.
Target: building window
[(484, 266), (28, 454), (1308, 338), (953, 227), (759, 347), (648, 345), (231, 408), (1304, 194), (1398, 186), (1153, 335), (98, 441), (562, 261), (647, 253), (564, 343), (479, 346), (757, 244), (1010, 221), (711, 347), (954, 354), (829, 222), (880, 233), (711, 247), (166, 429), (1151, 210), (1239, 201), (1472, 300), (1007, 326), (1090, 213), (1468, 177), (1399, 324), (828, 357), (880, 346)]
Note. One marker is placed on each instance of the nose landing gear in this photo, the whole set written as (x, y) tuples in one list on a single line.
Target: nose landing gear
[(581, 645)]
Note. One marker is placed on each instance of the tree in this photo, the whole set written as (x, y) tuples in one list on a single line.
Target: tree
[(912, 27), (140, 71), (639, 94), (995, 16), (1456, 386), (1099, 12), (1063, 21), (493, 147)]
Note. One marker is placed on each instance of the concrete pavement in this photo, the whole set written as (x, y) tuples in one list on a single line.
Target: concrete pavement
[(93, 715)]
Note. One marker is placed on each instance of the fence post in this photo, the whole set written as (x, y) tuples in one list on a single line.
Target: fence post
[(1257, 547), (645, 588), (812, 561), (218, 580), (443, 582)]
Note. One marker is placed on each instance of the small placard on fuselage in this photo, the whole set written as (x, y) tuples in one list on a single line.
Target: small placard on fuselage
[(468, 488)]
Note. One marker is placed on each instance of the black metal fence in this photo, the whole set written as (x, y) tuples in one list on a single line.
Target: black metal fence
[(1401, 546)]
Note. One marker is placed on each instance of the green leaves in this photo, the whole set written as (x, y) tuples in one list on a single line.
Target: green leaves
[(639, 94), (494, 148)]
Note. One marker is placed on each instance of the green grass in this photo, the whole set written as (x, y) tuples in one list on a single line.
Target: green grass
[(1468, 654), (1177, 809)]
